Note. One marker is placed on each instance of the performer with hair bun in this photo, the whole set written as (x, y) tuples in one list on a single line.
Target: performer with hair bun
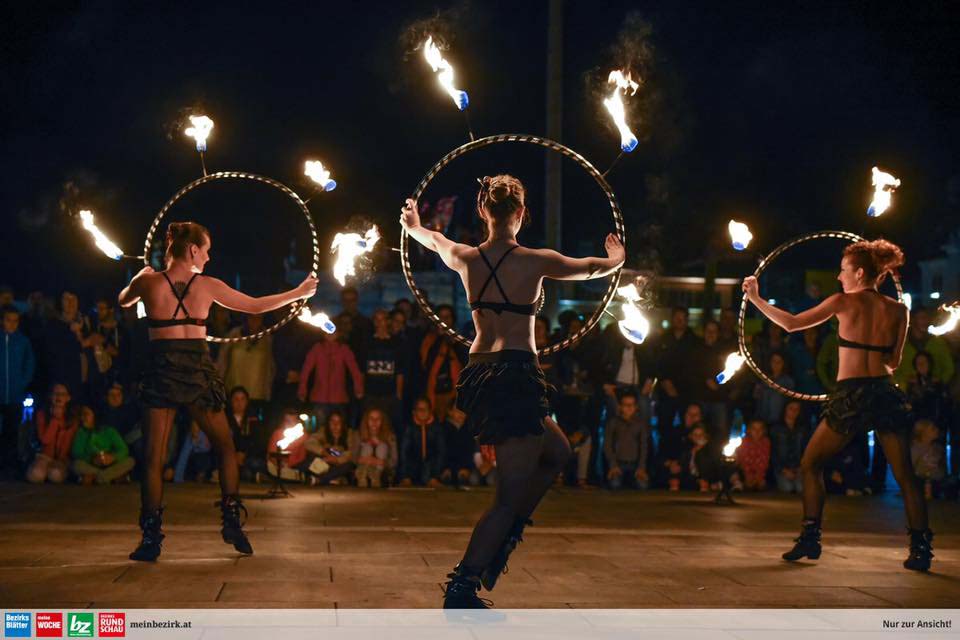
[(872, 332), (181, 373), (502, 389)]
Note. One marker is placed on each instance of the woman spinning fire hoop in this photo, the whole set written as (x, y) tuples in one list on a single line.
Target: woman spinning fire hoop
[(181, 374), (502, 390), (872, 331)]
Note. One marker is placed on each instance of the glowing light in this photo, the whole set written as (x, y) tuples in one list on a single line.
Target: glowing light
[(730, 449), (320, 320), (314, 170), (290, 435), (953, 319), (304, 417), (614, 105), (730, 367), (935, 295), (349, 247), (141, 310), (740, 235), (884, 186), (908, 300), (444, 73), (634, 326), (28, 402), (103, 242), (772, 301), (202, 125)]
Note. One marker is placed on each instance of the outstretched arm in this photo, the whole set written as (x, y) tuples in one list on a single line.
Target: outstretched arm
[(230, 298), (131, 293), (450, 252), (560, 267), (790, 323)]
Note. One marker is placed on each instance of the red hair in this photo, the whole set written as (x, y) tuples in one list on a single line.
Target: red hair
[(877, 258)]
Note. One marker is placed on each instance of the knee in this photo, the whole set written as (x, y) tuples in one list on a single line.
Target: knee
[(57, 475), (36, 475), (811, 464)]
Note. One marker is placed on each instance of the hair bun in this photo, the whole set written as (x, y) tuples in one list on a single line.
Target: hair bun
[(499, 192), (887, 256)]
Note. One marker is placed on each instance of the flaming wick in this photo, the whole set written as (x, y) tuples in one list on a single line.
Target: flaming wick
[(730, 449), (628, 141), (634, 326), (320, 320), (349, 247), (953, 319), (104, 243), (884, 186), (199, 131), (314, 170), (444, 74), (290, 435), (740, 235), (731, 366)]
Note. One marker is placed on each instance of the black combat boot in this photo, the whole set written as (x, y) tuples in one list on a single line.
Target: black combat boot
[(461, 591), (232, 531), (808, 544), (149, 549), (921, 550), (498, 565)]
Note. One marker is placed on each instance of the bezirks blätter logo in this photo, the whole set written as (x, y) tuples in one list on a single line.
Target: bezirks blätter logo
[(80, 625), (49, 625), (113, 625), (16, 624)]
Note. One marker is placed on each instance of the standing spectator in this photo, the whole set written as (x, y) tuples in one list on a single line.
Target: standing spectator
[(929, 460), (423, 450), (828, 359), (332, 450), (625, 443), (17, 366), (249, 364), (485, 466), (329, 361), (56, 426), (626, 368), (290, 344), (677, 350), (196, 456), (772, 339), (377, 455), (929, 397), (384, 369), (361, 327), (125, 418), (64, 340), (803, 361), (729, 340), (920, 339), (460, 447), (441, 363), (99, 453), (104, 351), (788, 439), (753, 456), (248, 438), (711, 395), (770, 402)]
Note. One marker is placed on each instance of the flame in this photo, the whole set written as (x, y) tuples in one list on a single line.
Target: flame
[(141, 310), (884, 186), (950, 323), (202, 125), (445, 74), (290, 435), (740, 235), (634, 326), (103, 242), (730, 367), (730, 449), (320, 320), (628, 141), (349, 247), (314, 170)]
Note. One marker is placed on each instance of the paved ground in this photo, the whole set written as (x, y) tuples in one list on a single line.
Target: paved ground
[(66, 547)]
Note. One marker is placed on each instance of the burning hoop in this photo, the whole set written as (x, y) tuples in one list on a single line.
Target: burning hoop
[(764, 263), (540, 142), (240, 175)]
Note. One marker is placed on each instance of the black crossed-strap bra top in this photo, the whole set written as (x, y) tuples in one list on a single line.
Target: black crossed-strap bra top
[(506, 305), (850, 344), (155, 323)]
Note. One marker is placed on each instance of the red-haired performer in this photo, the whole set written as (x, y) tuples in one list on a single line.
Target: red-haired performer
[(502, 389), (872, 331), (180, 372)]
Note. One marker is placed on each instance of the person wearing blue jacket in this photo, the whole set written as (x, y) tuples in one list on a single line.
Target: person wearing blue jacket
[(17, 366)]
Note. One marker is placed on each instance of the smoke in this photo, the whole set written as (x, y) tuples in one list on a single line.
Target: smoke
[(173, 129), (444, 27), (80, 189)]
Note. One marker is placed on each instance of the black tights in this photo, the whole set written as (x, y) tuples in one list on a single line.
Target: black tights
[(826, 443), (159, 423), (526, 467)]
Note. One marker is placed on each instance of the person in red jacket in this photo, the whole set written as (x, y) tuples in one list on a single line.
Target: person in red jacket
[(56, 428), (753, 456), (329, 360)]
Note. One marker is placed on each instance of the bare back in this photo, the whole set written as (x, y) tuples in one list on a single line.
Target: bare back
[(162, 304), (870, 318)]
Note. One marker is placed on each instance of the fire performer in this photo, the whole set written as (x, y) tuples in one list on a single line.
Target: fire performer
[(872, 331), (181, 373), (502, 390)]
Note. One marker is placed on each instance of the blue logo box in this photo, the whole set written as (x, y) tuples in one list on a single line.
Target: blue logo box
[(17, 624)]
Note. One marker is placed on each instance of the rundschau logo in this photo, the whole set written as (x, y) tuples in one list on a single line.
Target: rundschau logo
[(16, 624), (80, 625), (112, 625), (49, 625)]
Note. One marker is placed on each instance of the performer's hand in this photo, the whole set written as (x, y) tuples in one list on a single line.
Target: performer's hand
[(614, 248), (409, 216), (750, 288), (307, 288)]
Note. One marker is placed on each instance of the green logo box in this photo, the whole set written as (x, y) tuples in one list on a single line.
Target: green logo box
[(80, 625)]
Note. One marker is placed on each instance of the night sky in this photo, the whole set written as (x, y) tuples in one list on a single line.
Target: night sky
[(764, 112)]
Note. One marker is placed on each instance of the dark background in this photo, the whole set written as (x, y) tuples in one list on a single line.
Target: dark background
[(769, 113)]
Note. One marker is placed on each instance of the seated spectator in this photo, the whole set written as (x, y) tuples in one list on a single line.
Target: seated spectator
[(461, 446), (753, 456), (56, 427), (625, 443), (16, 374), (296, 448), (377, 453), (125, 418), (700, 463), (485, 466), (330, 453), (423, 450), (788, 439), (246, 428), (673, 440), (99, 453), (845, 472), (196, 456), (929, 458), (770, 402)]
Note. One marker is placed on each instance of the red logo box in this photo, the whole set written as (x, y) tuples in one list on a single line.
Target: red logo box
[(49, 625), (112, 625)]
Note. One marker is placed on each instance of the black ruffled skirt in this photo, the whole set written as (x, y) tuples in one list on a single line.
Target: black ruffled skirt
[(861, 404), (504, 394), (180, 372)]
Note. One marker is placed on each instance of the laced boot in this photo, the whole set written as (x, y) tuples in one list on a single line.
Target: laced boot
[(498, 565), (921, 550), (149, 549), (232, 531), (808, 544), (461, 590)]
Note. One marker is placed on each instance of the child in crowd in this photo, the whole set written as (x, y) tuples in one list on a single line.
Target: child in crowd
[(929, 460), (753, 456), (485, 463), (99, 453), (331, 452), (377, 453), (424, 449)]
